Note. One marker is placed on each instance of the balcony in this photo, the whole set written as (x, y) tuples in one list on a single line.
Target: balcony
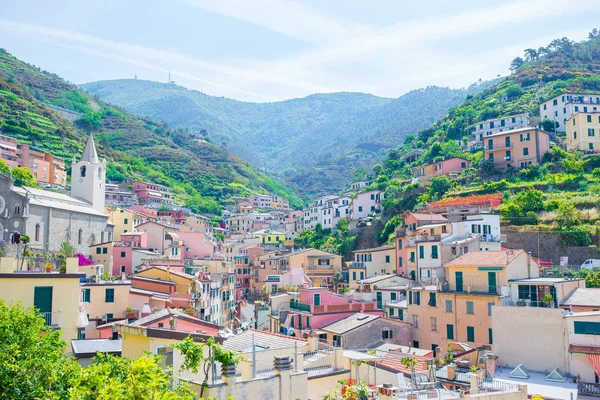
[(529, 303), (52, 319), (499, 148), (296, 305), (357, 264), (428, 238), (493, 238), (473, 289), (588, 389)]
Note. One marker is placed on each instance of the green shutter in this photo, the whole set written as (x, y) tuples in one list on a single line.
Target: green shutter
[(353, 275), (418, 298), (393, 296), (450, 332), (307, 322), (579, 327), (42, 298), (434, 251), (399, 261), (459, 281), (109, 296), (432, 300), (470, 334), (86, 295), (98, 250), (490, 336), (421, 252), (410, 299), (470, 307)]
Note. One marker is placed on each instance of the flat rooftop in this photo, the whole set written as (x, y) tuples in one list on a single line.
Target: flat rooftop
[(537, 384)]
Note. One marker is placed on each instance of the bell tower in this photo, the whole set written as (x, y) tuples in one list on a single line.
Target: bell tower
[(88, 177)]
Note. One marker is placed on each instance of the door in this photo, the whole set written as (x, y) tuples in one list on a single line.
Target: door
[(459, 281), (42, 300), (317, 299), (379, 301), (492, 283)]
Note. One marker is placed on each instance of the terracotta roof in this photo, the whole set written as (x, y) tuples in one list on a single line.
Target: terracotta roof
[(428, 217), (392, 362), (582, 297), (491, 258), (573, 348)]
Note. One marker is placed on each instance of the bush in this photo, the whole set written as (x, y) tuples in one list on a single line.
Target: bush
[(596, 173), (577, 236)]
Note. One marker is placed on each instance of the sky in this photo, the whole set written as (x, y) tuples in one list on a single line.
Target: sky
[(271, 50)]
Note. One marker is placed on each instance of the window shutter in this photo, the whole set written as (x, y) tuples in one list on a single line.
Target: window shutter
[(410, 299), (418, 298)]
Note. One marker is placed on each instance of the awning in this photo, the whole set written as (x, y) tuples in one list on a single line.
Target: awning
[(595, 361), (573, 348), (160, 299)]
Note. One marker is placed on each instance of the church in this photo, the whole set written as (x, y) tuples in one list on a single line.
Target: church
[(49, 218)]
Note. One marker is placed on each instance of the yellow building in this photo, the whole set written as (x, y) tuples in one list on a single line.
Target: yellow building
[(583, 131), (104, 302), (267, 236), (375, 261), (102, 253), (462, 310), (56, 295), (319, 266), (183, 281), (122, 220)]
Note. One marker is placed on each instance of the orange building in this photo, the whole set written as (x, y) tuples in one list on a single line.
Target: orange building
[(517, 148)]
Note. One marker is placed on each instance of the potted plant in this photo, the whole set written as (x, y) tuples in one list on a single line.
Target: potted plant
[(49, 266), (548, 299), (130, 313)]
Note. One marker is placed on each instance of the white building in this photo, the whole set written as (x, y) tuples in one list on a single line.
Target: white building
[(496, 125), (562, 107), (366, 203)]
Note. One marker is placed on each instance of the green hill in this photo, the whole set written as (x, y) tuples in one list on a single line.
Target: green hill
[(313, 142), (562, 195), (201, 174)]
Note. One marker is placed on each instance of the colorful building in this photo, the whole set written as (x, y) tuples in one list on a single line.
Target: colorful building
[(449, 167), (583, 131), (517, 148), (152, 193)]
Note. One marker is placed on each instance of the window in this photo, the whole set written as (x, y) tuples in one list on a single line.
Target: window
[(86, 295), (98, 250), (109, 295), (502, 123), (393, 296), (317, 299), (109, 316), (125, 221), (432, 300), (80, 236), (587, 328), (490, 144), (575, 135), (450, 332), (463, 164), (161, 325), (353, 275), (37, 232), (399, 261), (166, 360), (399, 244), (591, 132), (433, 324), (387, 333), (421, 252), (434, 251), (525, 151), (490, 305), (122, 268), (415, 321), (387, 259), (470, 334), (591, 146), (417, 298), (507, 155), (490, 340), (507, 141), (359, 208), (470, 308), (412, 256), (574, 123), (123, 254), (82, 171), (362, 275), (491, 157), (391, 312), (449, 306), (105, 250)]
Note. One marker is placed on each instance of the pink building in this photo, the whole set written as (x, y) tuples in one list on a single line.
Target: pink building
[(177, 217), (449, 167), (122, 260), (193, 244), (152, 193), (135, 239), (517, 148), (158, 238)]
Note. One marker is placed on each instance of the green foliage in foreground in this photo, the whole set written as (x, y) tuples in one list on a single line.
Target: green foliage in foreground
[(33, 365), (337, 241)]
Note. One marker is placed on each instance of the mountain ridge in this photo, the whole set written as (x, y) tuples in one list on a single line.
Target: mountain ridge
[(294, 139)]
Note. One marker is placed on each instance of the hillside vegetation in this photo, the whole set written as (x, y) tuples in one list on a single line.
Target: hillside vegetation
[(561, 195), (201, 174), (314, 142)]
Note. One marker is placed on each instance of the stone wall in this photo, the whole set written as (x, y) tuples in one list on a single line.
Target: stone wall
[(370, 334), (550, 245)]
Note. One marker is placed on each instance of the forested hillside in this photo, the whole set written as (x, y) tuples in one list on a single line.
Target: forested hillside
[(562, 195), (314, 142), (201, 174)]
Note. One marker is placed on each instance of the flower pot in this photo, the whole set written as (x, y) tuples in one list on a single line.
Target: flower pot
[(48, 269)]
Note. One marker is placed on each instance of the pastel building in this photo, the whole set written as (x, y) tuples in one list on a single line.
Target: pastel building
[(497, 125), (158, 237), (122, 219), (115, 196), (517, 148), (562, 107), (152, 193), (375, 261), (449, 167), (583, 131), (366, 203)]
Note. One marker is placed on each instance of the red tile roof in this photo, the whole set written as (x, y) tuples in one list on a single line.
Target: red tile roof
[(573, 348)]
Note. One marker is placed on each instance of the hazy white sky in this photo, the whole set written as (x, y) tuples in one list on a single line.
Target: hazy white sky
[(267, 50)]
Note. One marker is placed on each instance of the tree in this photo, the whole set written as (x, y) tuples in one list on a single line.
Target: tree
[(514, 91), (573, 166), (32, 359), (531, 55), (23, 177), (4, 168), (516, 64), (549, 125), (112, 377), (201, 356), (438, 187)]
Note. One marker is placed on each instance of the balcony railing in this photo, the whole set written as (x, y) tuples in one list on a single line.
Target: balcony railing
[(493, 238), (529, 303), (357, 264), (296, 305), (427, 238), (588, 389), (52, 319), (474, 289)]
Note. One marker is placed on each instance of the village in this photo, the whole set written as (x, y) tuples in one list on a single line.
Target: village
[(445, 310)]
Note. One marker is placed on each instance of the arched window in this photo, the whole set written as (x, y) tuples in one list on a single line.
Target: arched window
[(80, 236), (17, 209), (82, 171)]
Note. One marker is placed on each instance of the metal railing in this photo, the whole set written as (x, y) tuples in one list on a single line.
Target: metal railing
[(296, 305), (588, 389), (429, 394), (480, 289), (529, 303), (52, 319), (318, 360), (486, 385)]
